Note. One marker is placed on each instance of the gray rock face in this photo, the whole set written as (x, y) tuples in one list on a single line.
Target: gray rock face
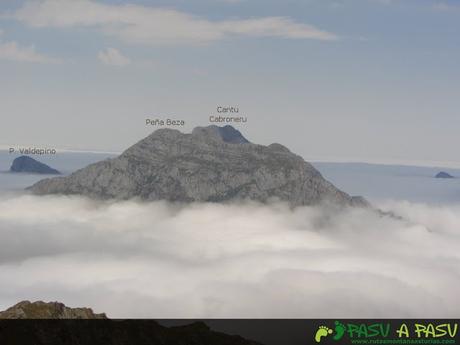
[(29, 165), (211, 164)]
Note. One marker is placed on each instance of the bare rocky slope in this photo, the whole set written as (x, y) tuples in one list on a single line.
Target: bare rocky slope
[(212, 164)]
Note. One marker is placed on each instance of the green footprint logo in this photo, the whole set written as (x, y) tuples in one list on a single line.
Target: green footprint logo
[(339, 330), (322, 331)]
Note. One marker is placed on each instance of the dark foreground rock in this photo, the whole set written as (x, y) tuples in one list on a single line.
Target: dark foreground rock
[(112, 332), (51, 310), (443, 174), (27, 164), (212, 164), (102, 331)]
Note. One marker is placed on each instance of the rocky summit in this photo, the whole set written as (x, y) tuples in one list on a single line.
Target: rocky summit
[(51, 310), (27, 164), (211, 164)]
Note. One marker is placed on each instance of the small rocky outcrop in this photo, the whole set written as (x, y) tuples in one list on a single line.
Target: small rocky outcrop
[(51, 310), (443, 174), (211, 164), (26, 164)]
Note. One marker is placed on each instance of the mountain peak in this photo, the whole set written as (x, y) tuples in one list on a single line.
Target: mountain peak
[(226, 133), (29, 165), (212, 164), (443, 174)]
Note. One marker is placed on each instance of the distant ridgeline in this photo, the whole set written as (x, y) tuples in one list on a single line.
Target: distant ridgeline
[(443, 174), (211, 164)]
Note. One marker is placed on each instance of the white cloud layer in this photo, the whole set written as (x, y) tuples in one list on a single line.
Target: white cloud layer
[(14, 52), (134, 259), (150, 25), (112, 56)]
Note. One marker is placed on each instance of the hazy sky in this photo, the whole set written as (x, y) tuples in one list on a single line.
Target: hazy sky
[(372, 80)]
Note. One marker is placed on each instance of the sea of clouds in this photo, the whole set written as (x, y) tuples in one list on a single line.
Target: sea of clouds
[(133, 259)]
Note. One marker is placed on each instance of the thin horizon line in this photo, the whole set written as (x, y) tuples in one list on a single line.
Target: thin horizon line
[(312, 159)]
